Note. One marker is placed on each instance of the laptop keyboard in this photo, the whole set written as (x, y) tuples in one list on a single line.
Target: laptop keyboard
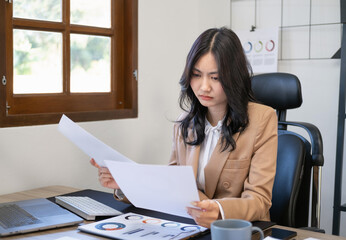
[(86, 207), (13, 216)]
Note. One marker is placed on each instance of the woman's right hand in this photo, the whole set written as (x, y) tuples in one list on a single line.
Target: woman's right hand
[(105, 177)]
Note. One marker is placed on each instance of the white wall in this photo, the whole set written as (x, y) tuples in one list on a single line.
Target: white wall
[(319, 78), (39, 155)]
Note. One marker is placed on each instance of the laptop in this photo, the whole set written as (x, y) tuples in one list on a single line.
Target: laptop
[(33, 215)]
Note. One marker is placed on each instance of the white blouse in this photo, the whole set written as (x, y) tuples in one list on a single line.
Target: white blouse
[(212, 135)]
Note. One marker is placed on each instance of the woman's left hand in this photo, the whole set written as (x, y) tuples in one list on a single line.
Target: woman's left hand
[(207, 211)]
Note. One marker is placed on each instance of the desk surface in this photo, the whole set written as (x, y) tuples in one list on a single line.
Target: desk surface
[(72, 231)]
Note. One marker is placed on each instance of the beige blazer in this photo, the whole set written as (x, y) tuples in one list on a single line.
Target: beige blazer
[(241, 180)]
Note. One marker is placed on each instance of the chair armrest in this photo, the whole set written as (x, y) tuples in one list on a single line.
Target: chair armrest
[(315, 138)]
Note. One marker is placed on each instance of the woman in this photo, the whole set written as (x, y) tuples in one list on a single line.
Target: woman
[(228, 139)]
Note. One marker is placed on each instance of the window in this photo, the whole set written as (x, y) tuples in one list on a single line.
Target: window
[(77, 57)]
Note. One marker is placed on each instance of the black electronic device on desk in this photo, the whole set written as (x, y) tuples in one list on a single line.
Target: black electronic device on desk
[(281, 234), (108, 199)]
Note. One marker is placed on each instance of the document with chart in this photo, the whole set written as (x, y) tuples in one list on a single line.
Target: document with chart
[(88, 143), (135, 226)]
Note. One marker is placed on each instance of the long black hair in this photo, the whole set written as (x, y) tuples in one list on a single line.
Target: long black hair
[(234, 73)]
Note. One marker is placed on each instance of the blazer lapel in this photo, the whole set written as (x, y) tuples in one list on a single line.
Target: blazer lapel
[(192, 157), (214, 167)]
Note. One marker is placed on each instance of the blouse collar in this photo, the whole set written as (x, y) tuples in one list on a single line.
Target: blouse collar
[(209, 128)]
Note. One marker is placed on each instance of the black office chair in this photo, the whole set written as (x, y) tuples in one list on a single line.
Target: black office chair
[(296, 155)]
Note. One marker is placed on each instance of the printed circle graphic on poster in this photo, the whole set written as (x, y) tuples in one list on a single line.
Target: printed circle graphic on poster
[(134, 217), (152, 221), (258, 46), (270, 45), (170, 224), (190, 228), (110, 226), (261, 48), (247, 47)]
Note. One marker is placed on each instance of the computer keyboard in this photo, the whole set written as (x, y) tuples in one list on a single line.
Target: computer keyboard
[(12, 215), (86, 207)]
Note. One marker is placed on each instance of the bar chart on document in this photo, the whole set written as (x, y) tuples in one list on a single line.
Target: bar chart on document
[(137, 226)]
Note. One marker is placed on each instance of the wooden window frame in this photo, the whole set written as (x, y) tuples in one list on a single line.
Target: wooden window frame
[(37, 109)]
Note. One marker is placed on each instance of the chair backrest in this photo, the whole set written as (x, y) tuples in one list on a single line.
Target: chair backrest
[(296, 154), (281, 91)]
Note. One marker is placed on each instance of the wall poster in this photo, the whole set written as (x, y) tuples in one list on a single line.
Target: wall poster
[(261, 49)]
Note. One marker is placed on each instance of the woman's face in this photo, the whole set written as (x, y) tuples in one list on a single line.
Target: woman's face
[(206, 85)]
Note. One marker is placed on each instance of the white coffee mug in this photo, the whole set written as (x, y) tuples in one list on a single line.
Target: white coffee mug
[(233, 229)]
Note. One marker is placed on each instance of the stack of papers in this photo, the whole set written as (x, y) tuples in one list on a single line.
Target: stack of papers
[(168, 189)]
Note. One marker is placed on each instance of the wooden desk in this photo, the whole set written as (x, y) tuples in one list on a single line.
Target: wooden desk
[(72, 231)]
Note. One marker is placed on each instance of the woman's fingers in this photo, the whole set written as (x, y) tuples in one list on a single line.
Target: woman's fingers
[(93, 162), (105, 177), (205, 213)]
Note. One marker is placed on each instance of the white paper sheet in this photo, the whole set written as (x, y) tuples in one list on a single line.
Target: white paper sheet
[(92, 146), (168, 189)]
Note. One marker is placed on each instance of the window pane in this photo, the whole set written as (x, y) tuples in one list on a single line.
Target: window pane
[(37, 61), (49, 10), (90, 63), (91, 13)]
